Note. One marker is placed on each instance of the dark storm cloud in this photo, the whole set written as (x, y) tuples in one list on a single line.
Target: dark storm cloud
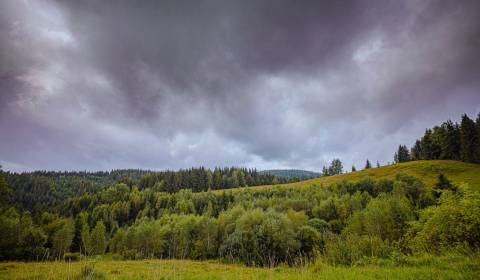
[(170, 84)]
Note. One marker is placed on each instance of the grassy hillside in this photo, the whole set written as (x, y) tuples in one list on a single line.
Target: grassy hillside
[(425, 170)]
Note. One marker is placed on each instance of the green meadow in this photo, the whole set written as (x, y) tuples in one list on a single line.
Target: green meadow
[(418, 267)]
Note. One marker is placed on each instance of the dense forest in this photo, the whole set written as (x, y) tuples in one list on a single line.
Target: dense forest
[(195, 213), (446, 141), (42, 190), (292, 173)]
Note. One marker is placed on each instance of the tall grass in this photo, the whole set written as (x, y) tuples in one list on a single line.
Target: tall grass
[(424, 266)]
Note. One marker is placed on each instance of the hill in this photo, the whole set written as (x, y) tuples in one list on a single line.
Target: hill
[(292, 173), (425, 170)]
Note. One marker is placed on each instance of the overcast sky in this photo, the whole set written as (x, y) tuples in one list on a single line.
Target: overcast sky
[(99, 85)]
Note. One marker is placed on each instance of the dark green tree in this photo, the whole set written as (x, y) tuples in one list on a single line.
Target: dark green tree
[(402, 154), (336, 167), (468, 139), (416, 151), (451, 141), (368, 165), (98, 239)]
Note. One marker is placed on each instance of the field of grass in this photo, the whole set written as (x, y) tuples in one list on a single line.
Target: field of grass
[(425, 170), (422, 267)]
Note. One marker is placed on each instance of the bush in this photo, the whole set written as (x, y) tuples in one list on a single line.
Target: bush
[(352, 249)]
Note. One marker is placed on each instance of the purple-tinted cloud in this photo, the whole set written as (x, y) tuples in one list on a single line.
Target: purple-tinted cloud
[(172, 84)]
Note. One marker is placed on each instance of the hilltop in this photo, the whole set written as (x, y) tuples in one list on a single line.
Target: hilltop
[(425, 170), (292, 173)]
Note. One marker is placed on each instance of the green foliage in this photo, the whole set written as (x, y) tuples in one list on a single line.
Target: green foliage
[(447, 141), (292, 173), (62, 238), (402, 155), (20, 237), (452, 224), (335, 168), (343, 221), (98, 239)]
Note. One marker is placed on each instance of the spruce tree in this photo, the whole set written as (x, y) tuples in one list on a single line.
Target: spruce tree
[(368, 165), (402, 154), (468, 139), (426, 144), (416, 151), (451, 141)]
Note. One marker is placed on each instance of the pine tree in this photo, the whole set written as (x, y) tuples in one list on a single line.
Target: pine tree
[(468, 139), (353, 168), (368, 165), (416, 151), (402, 154), (451, 141), (426, 144)]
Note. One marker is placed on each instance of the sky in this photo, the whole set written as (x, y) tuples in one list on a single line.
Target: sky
[(101, 85)]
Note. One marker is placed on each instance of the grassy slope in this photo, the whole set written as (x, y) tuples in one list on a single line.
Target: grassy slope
[(426, 170), (447, 267)]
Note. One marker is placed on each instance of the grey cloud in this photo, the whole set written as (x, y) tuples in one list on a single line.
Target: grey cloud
[(170, 84)]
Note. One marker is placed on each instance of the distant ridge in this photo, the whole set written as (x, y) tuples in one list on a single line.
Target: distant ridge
[(292, 173)]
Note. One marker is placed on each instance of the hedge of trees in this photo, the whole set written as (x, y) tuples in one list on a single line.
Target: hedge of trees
[(342, 223), (447, 141)]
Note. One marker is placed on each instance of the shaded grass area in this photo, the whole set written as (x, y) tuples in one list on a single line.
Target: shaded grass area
[(425, 170), (418, 267)]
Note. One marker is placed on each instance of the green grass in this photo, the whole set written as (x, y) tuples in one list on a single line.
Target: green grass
[(425, 170), (421, 267)]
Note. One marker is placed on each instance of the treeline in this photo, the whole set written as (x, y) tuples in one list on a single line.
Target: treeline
[(447, 141), (42, 190), (202, 179), (292, 173), (342, 223)]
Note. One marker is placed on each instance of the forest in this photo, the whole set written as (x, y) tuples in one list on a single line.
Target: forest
[(200, 214)]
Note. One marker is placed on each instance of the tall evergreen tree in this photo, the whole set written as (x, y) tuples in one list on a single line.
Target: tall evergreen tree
[(426, 145), (451, 141), (468, 139), (402, 154), (368, 165), (416, 151)]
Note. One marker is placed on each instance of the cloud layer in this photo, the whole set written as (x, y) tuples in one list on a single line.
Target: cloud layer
[(272, 84)]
